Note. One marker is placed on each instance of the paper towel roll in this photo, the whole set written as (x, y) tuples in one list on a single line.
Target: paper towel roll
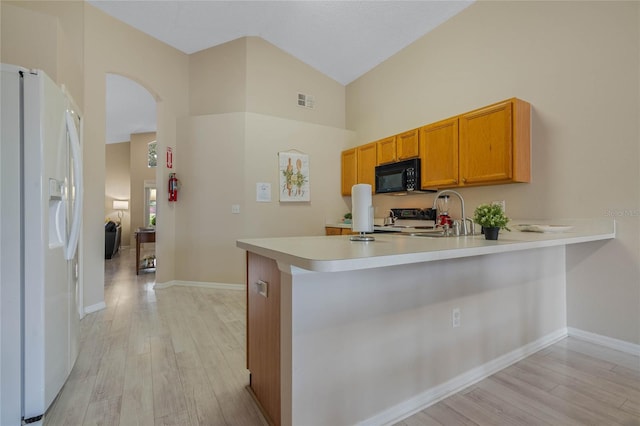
[(361, 208)]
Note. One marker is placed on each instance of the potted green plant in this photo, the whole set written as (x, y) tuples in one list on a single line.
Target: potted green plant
[(492, 219), (347, 218)]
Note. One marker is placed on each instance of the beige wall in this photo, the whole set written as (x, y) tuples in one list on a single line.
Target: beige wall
[(265, 137), (250, 74), (113, 47), (46, 35), (228, 154), (117, 185), (217, 79), (577, 63), (140, 172), (206, 230), (26, 48), (243, 112), (274, 79)]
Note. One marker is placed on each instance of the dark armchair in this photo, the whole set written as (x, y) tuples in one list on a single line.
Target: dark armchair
[(111, 239)]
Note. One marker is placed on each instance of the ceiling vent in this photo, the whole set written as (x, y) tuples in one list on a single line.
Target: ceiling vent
[(306, 101)]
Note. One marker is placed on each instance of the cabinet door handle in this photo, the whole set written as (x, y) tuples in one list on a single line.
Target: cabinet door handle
[(262, 287), (464, 180)]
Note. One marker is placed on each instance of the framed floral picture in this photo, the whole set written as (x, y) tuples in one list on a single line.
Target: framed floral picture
[(294, 176)]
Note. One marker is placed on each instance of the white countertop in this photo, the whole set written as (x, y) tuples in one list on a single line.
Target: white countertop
[(338, 253)]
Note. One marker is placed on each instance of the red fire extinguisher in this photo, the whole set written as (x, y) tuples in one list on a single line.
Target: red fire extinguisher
[(173, 187)]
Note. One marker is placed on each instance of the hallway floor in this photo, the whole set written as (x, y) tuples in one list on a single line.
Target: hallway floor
[(174, 356)]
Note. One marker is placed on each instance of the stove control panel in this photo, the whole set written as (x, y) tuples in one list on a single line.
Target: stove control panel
[(415, 214)]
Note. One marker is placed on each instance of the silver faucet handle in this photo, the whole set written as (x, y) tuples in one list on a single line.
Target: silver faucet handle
[(389, 220), (472, 227), (456, 228)]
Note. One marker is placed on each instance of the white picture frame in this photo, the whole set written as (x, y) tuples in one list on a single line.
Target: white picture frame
[(293, 170)]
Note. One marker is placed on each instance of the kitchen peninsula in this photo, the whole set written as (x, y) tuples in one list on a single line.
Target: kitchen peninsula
[(343, 332)]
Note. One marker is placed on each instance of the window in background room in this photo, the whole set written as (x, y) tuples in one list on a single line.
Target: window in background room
[(149, 203), (152, 154)]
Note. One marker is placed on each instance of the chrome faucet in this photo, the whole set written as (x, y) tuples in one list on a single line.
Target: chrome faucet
[(391, 219), (464, 218)]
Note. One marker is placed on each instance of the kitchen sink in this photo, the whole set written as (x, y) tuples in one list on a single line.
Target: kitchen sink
[(429, 234)]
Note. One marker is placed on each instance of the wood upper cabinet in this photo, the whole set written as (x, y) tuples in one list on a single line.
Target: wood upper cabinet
[(367, 160), (487, 146), (408, 145), (495, 144), (439, 154), (349, 170), (386, 150), (399, 147), (359, 166)]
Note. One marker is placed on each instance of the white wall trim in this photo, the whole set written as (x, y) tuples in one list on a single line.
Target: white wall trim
[(94, 308), (219, 286), (431, 396), (609, 342)]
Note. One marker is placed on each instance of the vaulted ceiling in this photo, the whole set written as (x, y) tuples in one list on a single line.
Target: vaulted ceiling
[(341, 39)]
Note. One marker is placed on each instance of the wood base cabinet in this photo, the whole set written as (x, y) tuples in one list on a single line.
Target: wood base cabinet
[(263, 333), (334, 230)]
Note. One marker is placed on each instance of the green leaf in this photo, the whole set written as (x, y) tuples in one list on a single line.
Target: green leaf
[(490, 216)]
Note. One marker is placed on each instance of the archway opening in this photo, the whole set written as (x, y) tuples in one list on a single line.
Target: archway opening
[(131, 129)]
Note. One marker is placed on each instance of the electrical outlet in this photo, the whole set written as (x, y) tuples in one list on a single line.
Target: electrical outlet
[(235, 208), (455, 317)]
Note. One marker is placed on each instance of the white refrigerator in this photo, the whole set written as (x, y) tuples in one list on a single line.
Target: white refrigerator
[(40, 219)]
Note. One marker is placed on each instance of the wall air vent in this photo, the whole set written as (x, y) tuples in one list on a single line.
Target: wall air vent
[(306, 101)]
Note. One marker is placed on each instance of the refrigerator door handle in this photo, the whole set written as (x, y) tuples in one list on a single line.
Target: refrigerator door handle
[(76, 157)]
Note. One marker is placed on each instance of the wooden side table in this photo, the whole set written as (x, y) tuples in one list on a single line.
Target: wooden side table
[(143, 236)]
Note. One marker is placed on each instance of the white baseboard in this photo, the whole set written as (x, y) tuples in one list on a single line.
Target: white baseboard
[(431, 396), (219, 286), (609, 342), (94, 308)]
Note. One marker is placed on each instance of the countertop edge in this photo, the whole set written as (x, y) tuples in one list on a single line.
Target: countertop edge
[(368, 262)]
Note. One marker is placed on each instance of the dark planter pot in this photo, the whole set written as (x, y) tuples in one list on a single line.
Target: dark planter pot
[(491, 233)]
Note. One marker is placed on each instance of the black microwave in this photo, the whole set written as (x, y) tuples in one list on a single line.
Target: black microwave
[(403, 176)]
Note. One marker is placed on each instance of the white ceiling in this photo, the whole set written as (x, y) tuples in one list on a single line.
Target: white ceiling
[(130, 109), (341, 39)]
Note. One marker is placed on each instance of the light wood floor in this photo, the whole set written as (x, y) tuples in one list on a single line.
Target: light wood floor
[(572, 382), (177, 356), (174, 356)]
